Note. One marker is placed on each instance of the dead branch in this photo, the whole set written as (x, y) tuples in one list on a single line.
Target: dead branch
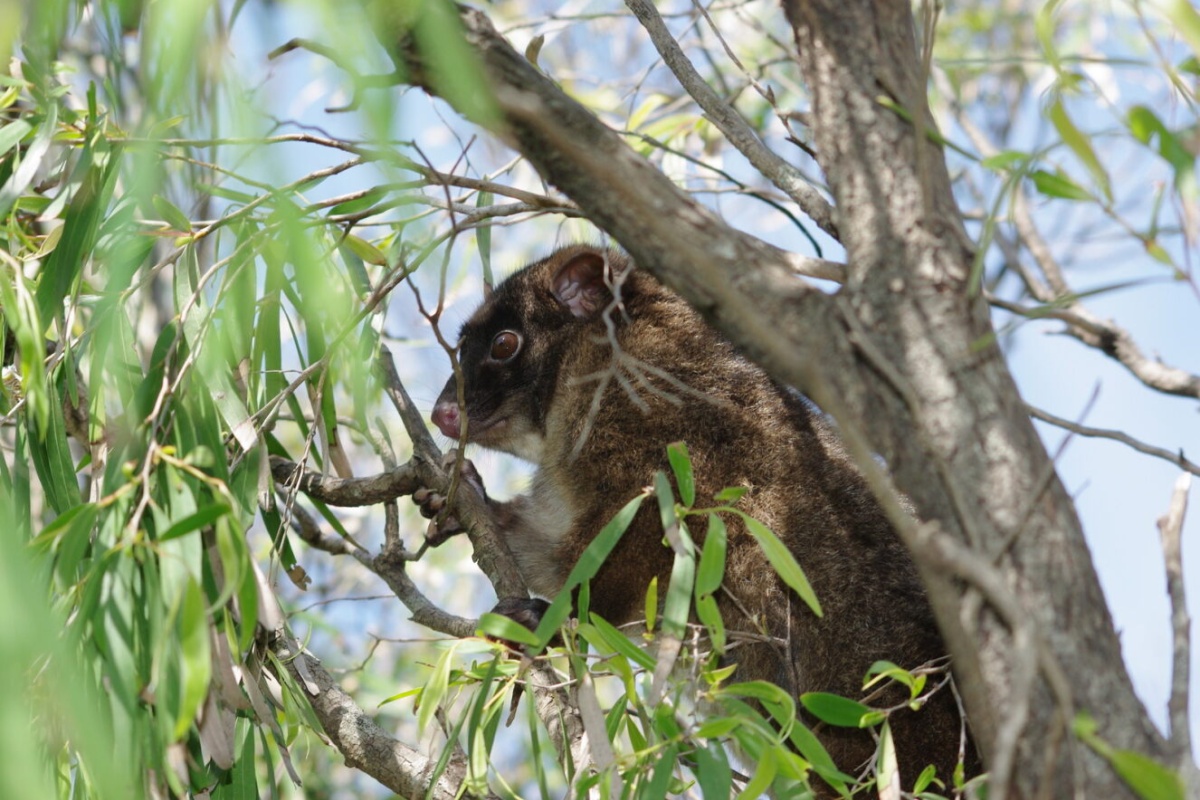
[(1170, 526)]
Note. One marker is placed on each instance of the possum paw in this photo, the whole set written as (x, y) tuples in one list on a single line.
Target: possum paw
[(527, 611), (432, 504)]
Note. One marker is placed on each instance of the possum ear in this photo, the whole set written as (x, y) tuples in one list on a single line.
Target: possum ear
[(579, 284)]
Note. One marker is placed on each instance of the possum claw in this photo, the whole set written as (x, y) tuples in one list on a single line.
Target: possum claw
[(466, 471), (437, 533)]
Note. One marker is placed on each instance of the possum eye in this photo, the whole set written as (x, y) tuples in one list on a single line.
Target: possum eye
[(505, 345)]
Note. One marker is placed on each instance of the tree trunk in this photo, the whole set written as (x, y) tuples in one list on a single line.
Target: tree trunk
[(993, 486)]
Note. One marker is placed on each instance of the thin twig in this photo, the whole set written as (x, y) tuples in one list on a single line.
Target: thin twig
[(1177, 459)]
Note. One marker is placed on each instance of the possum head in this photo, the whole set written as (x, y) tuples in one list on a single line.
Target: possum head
[(514, 347)]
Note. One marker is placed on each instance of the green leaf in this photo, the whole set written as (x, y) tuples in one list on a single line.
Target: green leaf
[(365, 250), (74, 544), (665, 722), (12, 133), (1151, 780), (52, 458), (24, 174), (660, 779), (679, 590), (618, 642), (730, 494), (454, 68), (243, 777), (46, 539), (1044, 25), (666, 500), (1185, 20), (483, 238), (809, 746), (194, 522), (1145, 125), (712, 558), (681, 465), (172, 215), (1058, 185), (709, 613), (234, 555), (784, 562), (835, 709), (1005, 160), (434, 690), (80, 223), (501, 627), (194, 646), (716, 727), (652, 603), (925, 779), (1080, 145), (713, 772), (1146, 776), (887, 767), (360, 204), (764, 772), (886, 670), (215, 374), (481, 743), (586, 568)]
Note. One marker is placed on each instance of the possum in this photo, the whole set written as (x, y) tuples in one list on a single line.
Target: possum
[(588, 368)]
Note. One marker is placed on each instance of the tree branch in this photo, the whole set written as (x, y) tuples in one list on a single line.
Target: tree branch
[(347, 492), (1171, 528), (365, 745), (725, 117), (1177, 459)]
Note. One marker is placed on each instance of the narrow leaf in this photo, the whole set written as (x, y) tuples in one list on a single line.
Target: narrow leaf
[(12, 133), (498, 626), (620, 643), (1056, 185), (1080, 145), (201, 519), (713, 772), (784, 562), (835, 709), (1146, 776), (194, 646), (681, 465), (586, 567), (712, 557)]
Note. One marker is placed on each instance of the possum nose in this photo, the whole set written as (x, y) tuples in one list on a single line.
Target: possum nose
[(447, 418)]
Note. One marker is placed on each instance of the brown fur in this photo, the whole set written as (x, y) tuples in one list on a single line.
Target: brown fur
[(741, 429)]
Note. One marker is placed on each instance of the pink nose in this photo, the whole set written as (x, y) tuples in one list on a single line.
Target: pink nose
[(447, 418)]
